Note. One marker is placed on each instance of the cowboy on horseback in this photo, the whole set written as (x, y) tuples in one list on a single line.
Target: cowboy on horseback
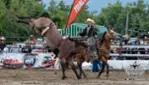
[(91, 33)]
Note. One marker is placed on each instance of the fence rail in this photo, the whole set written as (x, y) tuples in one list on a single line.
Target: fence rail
[(130, 46), (131, 55)]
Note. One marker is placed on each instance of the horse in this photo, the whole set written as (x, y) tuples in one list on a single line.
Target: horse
[(67, 47), (103, 50)]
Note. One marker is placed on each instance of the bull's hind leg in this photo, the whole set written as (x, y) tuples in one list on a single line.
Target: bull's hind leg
[(63, 70), (103, 67), (74, 68)]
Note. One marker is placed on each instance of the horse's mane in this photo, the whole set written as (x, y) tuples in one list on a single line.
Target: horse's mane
[(103, 38), (45, 14)]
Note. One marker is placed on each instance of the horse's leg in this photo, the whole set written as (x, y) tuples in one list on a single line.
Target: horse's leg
[(74, 68), (103, 67), (63, 70), (79, 65), (107, 69), (25, 22), (81, 70)]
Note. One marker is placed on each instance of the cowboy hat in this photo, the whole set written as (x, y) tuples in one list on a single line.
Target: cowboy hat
[(90, 20), (31, 36), (2, 38)]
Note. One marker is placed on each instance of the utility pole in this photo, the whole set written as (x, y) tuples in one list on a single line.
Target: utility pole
[(127, 20)]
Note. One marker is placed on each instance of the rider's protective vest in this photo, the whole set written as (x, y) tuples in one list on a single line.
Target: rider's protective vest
[(89, 31)]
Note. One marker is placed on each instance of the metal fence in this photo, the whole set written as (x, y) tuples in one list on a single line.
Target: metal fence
[(131, 52)]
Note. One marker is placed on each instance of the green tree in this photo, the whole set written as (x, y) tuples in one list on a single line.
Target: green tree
[(83, 15), (59, 13), (2, 14), (110, 14), (10, 9)]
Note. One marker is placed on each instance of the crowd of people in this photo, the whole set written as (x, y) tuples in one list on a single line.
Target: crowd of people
[(127, 41)]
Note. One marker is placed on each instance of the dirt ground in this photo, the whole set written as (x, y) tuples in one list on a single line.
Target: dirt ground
[(50, 77)]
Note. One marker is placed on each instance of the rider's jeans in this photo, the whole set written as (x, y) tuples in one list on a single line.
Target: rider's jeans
[(92, 41)]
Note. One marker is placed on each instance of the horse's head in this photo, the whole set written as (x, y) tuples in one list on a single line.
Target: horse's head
[(37, 24), (29, 20), (111, 34)]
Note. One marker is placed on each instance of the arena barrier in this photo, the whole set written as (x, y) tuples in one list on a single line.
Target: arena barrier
[(41, 60), (133, 68), (21, 60)]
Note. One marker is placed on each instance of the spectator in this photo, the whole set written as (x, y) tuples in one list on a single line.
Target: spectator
[(126, 39), (141, 42), (137, 42), (129, 42), (141, 50), (2, 43), (32, 40), (145, 40), (27, 48)]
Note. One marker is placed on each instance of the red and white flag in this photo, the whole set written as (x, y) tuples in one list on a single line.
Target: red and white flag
[(76, 8)]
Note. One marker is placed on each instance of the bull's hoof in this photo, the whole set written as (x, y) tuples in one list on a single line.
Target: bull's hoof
[(85, 77), (64, 77), (79, 77)]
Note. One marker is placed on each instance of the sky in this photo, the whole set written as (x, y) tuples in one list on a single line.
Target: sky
[(96, 4)]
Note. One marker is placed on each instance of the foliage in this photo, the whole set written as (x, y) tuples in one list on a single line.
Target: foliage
[(10, 9), (114, 14)]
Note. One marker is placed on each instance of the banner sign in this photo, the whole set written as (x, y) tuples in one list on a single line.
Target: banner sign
[(76, 8), (30, 60)]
